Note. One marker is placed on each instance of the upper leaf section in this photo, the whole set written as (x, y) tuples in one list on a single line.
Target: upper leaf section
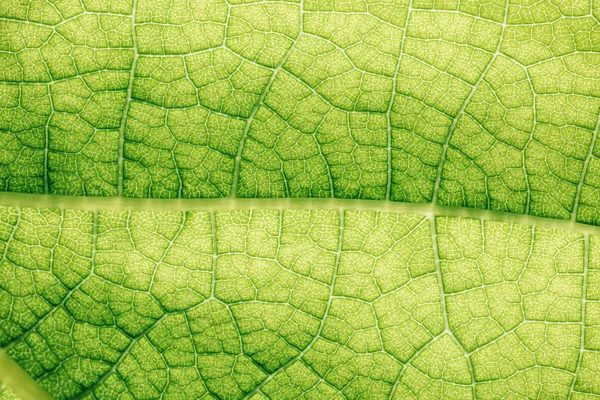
[(485, 104)]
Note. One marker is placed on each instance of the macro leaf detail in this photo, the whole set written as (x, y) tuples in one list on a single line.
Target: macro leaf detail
[(299, 199), (484, 104), (293, 304)]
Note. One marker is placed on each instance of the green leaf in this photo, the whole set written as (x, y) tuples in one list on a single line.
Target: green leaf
[(312, 304), (369, 199), (6, 393), (482, 104)]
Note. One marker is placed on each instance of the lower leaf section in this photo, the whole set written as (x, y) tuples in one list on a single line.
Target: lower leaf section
[(298, 304)]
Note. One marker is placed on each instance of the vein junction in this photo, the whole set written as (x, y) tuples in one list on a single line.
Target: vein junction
[(297, 303)]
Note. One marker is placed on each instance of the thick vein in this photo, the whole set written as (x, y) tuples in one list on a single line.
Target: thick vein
[(67, 296), (259, 102), (11, 236), (114, 367), (451, 128), (586, 260), (527, 184), (213, 234), (322, 155), (121, 167), (316, 337), (584, 170), (23, 200), (392, 98), (447, 330), (321, 325), (409, 361), (47, 144), (127, 350), (19, 381), (166, 252)]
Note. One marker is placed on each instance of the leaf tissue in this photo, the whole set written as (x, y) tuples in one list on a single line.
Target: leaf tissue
[(299, 199)]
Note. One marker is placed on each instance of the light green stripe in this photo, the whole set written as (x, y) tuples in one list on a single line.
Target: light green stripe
[(121, 203), (23, 385)]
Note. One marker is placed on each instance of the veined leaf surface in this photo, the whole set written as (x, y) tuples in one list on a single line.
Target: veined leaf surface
[(488, 104), (240, 199)]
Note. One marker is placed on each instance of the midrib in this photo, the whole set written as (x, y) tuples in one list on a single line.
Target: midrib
[(21, 383), (214, 204)]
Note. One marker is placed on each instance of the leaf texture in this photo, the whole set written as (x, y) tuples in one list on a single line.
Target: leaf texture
[(298, 304), (488, 104)]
